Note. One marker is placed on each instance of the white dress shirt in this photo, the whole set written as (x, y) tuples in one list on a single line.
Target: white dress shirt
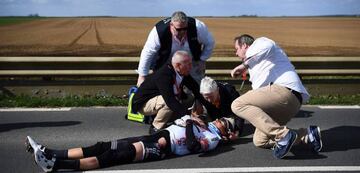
[(149, 53), (177, 84), (268, 63)]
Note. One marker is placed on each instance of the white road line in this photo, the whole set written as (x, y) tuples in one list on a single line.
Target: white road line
[(242, 169), (33, 109), (340, 107)]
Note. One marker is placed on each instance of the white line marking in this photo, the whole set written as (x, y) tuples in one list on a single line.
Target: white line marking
[(340, 107), (33, 109), (242, 169)]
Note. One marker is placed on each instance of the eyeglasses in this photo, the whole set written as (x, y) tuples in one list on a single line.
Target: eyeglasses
[(221, 126), (227, 125)]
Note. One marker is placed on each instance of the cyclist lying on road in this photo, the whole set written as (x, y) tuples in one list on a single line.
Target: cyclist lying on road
[(187, 135)]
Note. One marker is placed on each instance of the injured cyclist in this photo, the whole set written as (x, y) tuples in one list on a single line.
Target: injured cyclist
[(187, 135)]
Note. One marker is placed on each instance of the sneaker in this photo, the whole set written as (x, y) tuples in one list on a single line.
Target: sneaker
[(280, 151), (315, 138), (45, 164), (32, 146)]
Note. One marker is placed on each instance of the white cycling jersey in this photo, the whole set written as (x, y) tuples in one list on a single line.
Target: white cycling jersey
[(208, 140)]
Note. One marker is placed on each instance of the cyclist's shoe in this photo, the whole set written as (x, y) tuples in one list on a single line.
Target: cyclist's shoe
[(46, 164)]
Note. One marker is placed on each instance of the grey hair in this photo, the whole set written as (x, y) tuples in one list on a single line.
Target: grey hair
[(208, 85), (178, 56), (244, 39), (179, 16)]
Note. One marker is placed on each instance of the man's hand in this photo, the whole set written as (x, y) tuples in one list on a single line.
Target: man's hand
[(140, 80), (237, 71), (197, 109), (198, 122)]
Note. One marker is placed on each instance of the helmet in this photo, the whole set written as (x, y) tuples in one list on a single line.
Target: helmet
[(233, 124)]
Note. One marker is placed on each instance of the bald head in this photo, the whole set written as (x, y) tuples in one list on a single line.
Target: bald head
[(182, 62)]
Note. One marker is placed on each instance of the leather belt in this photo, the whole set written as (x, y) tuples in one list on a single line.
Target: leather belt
[(297, 94)]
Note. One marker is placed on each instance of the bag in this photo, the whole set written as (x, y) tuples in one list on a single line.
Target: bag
[(137, 117)]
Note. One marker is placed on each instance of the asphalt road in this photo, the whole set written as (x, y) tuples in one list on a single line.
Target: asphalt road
[(73, 127)]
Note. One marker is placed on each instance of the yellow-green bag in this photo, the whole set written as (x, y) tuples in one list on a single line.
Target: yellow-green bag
[(138, 117)]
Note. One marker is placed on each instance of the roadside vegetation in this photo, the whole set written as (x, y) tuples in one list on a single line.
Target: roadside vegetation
[(77, 101), (15, 20)]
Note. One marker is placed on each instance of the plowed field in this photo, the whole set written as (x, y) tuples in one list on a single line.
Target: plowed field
[(126, 36)]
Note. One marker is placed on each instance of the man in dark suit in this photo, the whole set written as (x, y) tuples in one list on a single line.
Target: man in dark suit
[(160, 93)]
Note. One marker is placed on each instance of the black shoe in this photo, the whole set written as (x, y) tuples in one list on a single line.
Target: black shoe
[(153, 130), (281, 150), (149, 119)]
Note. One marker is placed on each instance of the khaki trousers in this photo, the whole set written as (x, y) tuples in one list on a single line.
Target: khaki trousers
[(157, 106), (269, 109)]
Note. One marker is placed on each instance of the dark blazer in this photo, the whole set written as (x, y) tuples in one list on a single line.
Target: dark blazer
[(161, 83), (227, 96)]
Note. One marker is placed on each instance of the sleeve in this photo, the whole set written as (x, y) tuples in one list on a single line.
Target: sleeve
[(192, 144), (190, 83), (230, 90), (167, 92), (195, 88), (259, 50), (206, 39), (149, 52)]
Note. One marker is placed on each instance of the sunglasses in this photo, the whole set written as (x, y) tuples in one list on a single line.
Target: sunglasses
[(180, 29), (228, 128), (221, 127)]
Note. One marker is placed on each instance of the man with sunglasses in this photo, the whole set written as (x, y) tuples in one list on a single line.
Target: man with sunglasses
[(189, 135), (178, 32)]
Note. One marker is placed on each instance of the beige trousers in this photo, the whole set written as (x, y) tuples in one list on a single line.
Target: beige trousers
[(269, 109), (157, 106)]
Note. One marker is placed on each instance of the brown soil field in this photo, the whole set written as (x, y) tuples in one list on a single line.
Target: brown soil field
[(321, 36)]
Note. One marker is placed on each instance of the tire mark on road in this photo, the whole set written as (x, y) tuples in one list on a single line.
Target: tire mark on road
[(98, 37), (82, 34)]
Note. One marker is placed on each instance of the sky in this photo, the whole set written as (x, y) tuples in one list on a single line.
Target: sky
[(153, 8)]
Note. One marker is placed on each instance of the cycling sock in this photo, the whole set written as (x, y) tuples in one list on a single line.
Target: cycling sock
[(58, 154), (67, 164)]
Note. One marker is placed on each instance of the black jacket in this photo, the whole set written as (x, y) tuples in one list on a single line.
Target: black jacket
[(161, 83), (227, 95)]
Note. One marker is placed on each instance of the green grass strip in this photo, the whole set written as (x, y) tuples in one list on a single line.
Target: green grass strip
[(77, 101), (335, 99), (15, 20)]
